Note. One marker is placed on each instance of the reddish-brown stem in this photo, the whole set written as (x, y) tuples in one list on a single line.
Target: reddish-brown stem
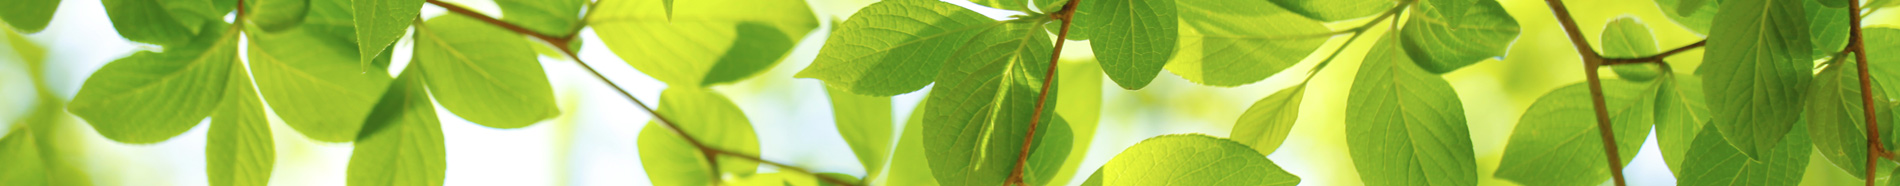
[(1859, 49), (710, 153), (1655, 58), (1066, 15), (1590, 63)]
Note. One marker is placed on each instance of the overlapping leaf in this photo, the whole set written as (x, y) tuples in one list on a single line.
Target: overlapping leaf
[(1133, 39), (701, 35), (379, 23), (239, 150), (311, 77), (865, 124), (706, 116), (1444, 35), (1756, 67), (273, 15), (401, 144), (1399, 114), (1626, 37), (483, 73), (151, 21), (1216, 51), (1713, 162), (548, 17), (1680, 115), (982, 104), (123, 99), (1191, 159), (1836, 118), (894, 47), (1335, 10), (1557, 141), (1079, 84)]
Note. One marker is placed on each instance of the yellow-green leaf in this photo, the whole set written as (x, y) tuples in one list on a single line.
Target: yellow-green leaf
[(708, 117), (122, 99), (483, 73)]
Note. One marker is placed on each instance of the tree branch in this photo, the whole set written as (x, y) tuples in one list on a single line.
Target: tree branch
[(1066, 15), (1655, 58), (1590, 63), (1855, 45), (710, 153)]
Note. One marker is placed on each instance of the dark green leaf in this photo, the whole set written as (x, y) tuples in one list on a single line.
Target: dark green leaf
[(894, 47), (1444, 35), (981, 105), (1265, 124), (1626, 37), (310, 76), (401, 143), (1713, 161), (753, 36), (121, 100), (865, 124), (1557, 141), (1680, 114), (702, 34), (1215, 51), (484, 73), (1335, 10), (548, 17), (1399, 114), (274, 15), (1132, 38), (239, 150), (706, 116), (1191, 159), (1757, 67), (28, 15), (1836, 118), (379, 23), (1693, 14), (1829, 27)]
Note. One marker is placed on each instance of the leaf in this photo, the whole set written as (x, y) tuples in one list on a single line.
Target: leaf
[(22, 156), (1398, 114), (379, 23), (1680, 114), (706, 116), (1192, 159), (274, 15), (865, 124), (1214, 51), (28, 16), (1626, 37), (1094, 179), (548, 17), (1713, 162), (310, 76), (1829, 27), (1757, 67), (1557, 141), (1265, 124), (702, 34), (1691, 6), (1336, 10), (1692, 14), (982, 103), (894, 47), (1833, 3), (1017, 5), (1132, 38), (1079, 84), (1444, 35), (238, 150), (401, 143), (484, 73), (908, 164), (121, 98), (148, 21), (1054, 141), (1836, 120)]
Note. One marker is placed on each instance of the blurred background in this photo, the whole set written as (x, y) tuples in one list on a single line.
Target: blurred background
[(593, 141)]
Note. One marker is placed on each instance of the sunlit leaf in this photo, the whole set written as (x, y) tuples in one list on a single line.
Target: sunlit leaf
[(1756, 67), (865, 124), (121, 100), (1191, 159), (1399, 114), (1680, 115), (311, 78), (702, 34), (1335, 10), (981, 105), (1133, 39), (238, 150), (706, 116), (753, 36), (1713, 162), (1626, 37), (1215, 51), (1557, 141), (1079, 84), (549, 17), (1054, 141), (379, 23), (401, 143), (1444, 35), (483, 73), (28, 15), (22, 157), (894, 47), (908, 164), (274, 15), (1265, 124), (148, 21)]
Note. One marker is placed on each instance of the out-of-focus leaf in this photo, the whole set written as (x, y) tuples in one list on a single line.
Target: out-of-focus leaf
[(1714, 162), (1215, 51), (1265, 124), (702, 34), (865, 124), (1053, 142), (124, 99), (1133, 39), (1626, 37), (753, 36), (1757, 67), (908, 164), (238, 150), (1444, 35), (1829, 27), (1692, 14), (1191, 159), (895, 47), (274, 15), (1335, 10), (28, 15), (22, 158), (401, 143), (1399, 114), (484, 73), (1079, 84), (706, 116), (379, 23), (1557, 141), (548, 17)]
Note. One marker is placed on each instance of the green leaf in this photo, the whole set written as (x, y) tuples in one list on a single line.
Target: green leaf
[(379, 23), (908, 164), (703, 34), (1836, 117), (1881, 3), (484, 73), (121, 98), (1714, 162), (865, 124), (894, 47), (401, 143), (706, 116), (22, 157), (1830, 28), (1335, 10), (1758, 64), (310, 76), (148, 21), (1079, 84), (1017, 5), (1133, 38), (1054, 141), (1680, 114), (548, 17), (1192, 159), (1215, 51), (753, 36), (982, 103), (1834, 3), (274, 15), (1265, 124), (28, 15), (238, 150), (1444, 35), (1557, 141), (1626, 37), (1094, 179), (1398, 114), (1690, 6), (1692, 14)]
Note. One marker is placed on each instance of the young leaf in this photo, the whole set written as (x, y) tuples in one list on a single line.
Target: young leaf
[(123, 99), (865, 123), (703, 34), (238, 150), (1398, 114), (908, 164), (1079, 84), (274, 15), (22, 157), (483, 73), (1836, 120), (1692, 14), (1557, 141), (1713, 161), (310, 76), (981, 105), (379, 23), (1757, 68), (27, 15), (548, 17), (1265, 124), (1192, 159), (148, 21), (1335, 10), (1626, 37), (707, 116), (1132, 38), (1680, 114), (1215, 51), (401, 143), (894, 47), (1444, 35)]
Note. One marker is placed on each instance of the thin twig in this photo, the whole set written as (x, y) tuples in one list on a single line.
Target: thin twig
[(1066, 15), (1590, 63), (1655, 58), (1859, 49), (710, 153), (1356, 32)]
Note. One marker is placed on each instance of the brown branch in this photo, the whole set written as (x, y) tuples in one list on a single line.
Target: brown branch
[(1066, 15), (1590, 63), (710, 153), (1655, 58), (1855, 45)]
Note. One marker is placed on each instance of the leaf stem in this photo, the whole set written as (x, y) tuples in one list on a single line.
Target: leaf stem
[(1655, 58), (1067, 16), (1590, 63), (1855, 45), (710, 153), (1356, 32)]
